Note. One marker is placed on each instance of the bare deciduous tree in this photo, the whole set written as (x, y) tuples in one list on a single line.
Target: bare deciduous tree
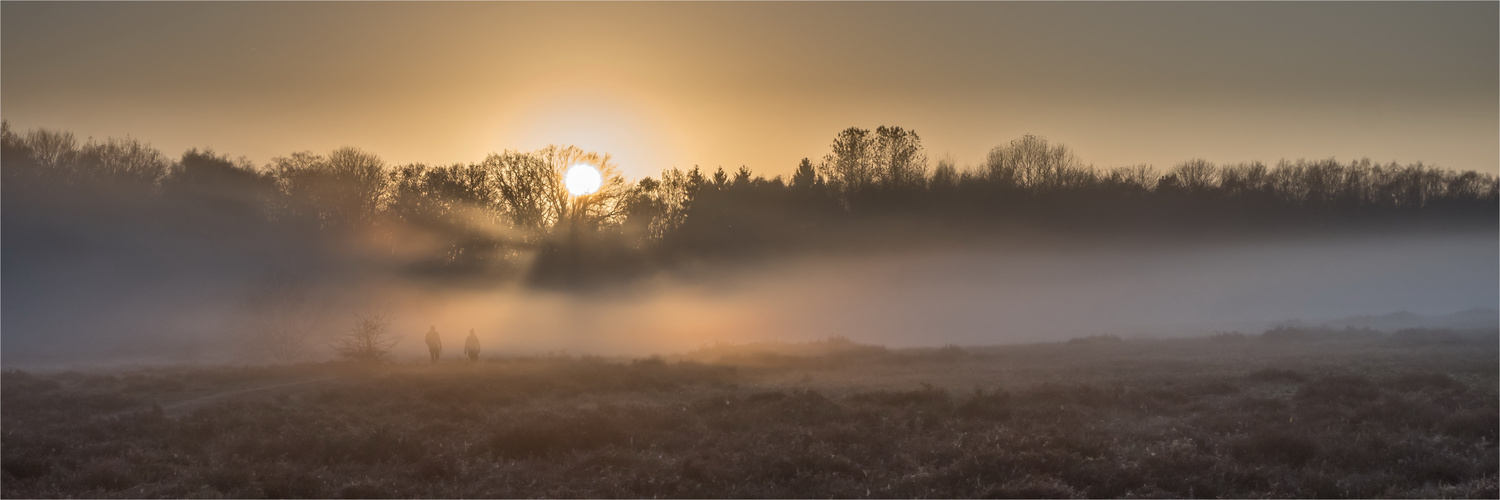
[(1032, 162), (605, 206), (945, 176), (1141, 176), (125, 159), (672, 195), (344, 189), (1196, 174), (1242, 177), (899, 159), (850, 167), (530, 189), (51, 149), (369, 340)]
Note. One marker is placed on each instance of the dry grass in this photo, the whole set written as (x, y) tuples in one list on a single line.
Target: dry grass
[(1343, 416)]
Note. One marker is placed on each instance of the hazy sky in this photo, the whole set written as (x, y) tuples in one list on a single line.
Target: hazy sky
[(766, 84)]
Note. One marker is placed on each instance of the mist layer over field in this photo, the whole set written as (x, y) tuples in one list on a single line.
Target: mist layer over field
[(115, 253), (978, 297), (85, 313)]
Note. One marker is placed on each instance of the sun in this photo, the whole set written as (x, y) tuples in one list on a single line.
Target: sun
[(582, 179)]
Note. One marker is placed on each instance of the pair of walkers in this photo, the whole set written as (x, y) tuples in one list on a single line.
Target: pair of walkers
[(435, 345)]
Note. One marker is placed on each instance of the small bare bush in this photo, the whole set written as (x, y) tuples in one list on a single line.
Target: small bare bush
[(1094, 339), (368, 341)]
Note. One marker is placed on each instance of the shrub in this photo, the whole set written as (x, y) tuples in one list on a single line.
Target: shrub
[(1095, 339), (1228, 337), (949, 352), (368, 341), (1423, 336), (1293, 333)]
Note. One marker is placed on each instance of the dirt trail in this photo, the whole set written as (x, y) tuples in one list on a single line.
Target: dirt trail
[(182, 407)]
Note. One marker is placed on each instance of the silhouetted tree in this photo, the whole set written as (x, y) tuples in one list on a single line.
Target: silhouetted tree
[(604, 207), (643, 209), (1142, 177), (409, 199), (945, 176), (51, 149), (1196, 175), (218, 198), (720, 179), (458, 206), (476, 219), (695, 179), (850, 167), (205, 171), (671, 199), (124, 160), (741, 178), (530, 190), (805, 177), (342, 190), (1244, 178), (899, 159), (368, 341), (1032, 162)]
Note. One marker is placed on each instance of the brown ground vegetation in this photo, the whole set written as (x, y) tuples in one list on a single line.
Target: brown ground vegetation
[(1227, 416)]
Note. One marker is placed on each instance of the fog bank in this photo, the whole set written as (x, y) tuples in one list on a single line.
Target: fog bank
[(964, 297), (968, 297), (977, 297)]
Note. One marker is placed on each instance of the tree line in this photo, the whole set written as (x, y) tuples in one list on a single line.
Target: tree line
[(510, 214)]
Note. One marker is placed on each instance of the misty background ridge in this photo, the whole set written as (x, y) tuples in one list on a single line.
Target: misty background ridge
[(113, 249)]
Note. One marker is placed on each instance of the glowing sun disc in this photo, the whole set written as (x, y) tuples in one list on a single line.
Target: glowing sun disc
[(582, 179)]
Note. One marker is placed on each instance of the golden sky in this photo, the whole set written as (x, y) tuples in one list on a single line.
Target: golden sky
[(765, 84)]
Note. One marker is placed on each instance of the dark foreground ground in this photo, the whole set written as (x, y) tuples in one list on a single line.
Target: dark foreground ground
[(1233, 416)]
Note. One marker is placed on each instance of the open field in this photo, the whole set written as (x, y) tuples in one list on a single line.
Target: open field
[(1274, 415)]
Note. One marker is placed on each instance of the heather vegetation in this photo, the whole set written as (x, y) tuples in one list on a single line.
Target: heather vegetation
[(509, 216), (107, 243), (1318, 413)]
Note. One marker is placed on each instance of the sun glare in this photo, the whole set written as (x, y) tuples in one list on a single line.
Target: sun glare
[(582, 179)]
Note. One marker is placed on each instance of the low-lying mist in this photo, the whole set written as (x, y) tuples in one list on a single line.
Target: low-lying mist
[(978, 296), (115, 253), (80, 314)]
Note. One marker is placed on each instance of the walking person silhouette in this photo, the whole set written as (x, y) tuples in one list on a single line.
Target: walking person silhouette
[(434, 344), (471, 346)]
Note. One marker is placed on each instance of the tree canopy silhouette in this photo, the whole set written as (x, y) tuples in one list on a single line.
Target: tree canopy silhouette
[(510, 215)]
